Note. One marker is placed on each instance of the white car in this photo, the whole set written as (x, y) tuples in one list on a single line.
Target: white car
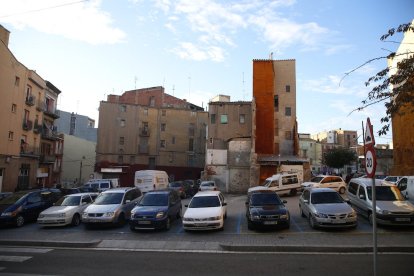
[(67, 210), (206, 210), (326, 181), (208, 186)]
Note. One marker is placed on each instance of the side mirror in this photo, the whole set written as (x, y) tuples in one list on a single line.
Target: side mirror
[(348, 201), (246, 203), (362, 196), (284, 201), (186, 205), (224, 204), (127, 201), (306, 201)]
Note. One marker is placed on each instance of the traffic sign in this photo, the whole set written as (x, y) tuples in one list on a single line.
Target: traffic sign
[(370, 162), (369, 134)]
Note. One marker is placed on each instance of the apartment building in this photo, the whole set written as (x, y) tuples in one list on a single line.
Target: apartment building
[(311, 150), (275, 131), (77, 125), (149, 129), (30, 148)]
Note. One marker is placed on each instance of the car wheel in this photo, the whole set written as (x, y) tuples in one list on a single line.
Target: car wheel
[(249, 225), (342, 190), (20, 221), (370, 219), (225, 215), (293, 192), (180, 213), (302, 214), (121, 219), (168, 224), (312, 222), (76, 220)]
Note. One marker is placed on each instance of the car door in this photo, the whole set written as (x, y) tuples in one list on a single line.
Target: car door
[(223, 204), (33, 206), (131, 197), (361, 203), (402, 186), (305, 206)]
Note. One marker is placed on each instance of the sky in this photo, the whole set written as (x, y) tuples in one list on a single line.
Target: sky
[(197, 49)]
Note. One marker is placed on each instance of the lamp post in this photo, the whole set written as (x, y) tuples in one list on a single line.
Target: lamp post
[(80, 170)]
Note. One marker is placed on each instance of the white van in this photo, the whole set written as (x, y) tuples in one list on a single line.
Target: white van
[(281, 183), (148, 180), (406, 186), (101, 185)]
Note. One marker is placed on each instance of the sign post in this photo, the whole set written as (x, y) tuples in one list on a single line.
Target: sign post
[(370, 167)]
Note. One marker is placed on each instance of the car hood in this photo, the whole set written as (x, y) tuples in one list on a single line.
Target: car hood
[(95, 208), (149, 209), (306, 184), (8, 208), (59, 209), (257, 188), (395, 206), (333, 208), (202, 212), (268, 209)]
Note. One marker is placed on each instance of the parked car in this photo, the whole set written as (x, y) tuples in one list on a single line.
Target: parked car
[(282, 183), (100, 185), (206, 210), (391, 179), (324, 207), (67, 210), (179, 187), (148, 180), (5, 194), (68, 191), (112, 206), (391, 206), (326, 181), (24, 206), (191, 187), (406, 185), (264, 208), (156, 210), (208, 186)]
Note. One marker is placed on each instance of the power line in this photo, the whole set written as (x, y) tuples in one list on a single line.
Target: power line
[(48, 8)]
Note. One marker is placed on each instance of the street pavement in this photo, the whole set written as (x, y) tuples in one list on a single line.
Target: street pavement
[(235, 238)]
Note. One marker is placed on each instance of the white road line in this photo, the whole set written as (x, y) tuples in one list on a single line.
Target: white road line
[(15, 259), (25, 250)]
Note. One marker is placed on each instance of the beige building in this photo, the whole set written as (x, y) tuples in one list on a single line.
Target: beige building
[(339, 137), (149, 129), (30, 149), (311, 150)]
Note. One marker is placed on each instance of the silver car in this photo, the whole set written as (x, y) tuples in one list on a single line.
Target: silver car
[(112, 206), (324, 207)]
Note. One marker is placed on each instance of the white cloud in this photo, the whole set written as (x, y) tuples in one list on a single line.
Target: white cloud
[(333, 85), (191, 51), (83, 21)]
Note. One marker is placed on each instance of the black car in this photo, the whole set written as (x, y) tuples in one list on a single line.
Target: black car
[(264, 208), (24, 206), (156, 210), (191, 187), (179, 187)]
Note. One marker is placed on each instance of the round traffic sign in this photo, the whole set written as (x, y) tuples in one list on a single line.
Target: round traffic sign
[(370, 162)]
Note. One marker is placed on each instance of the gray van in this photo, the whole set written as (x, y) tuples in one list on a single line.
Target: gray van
[(392, 207)]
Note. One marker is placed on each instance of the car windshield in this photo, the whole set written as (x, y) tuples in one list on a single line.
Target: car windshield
[(207, 184), (385, 193), (391, 178), (109, 198), (69, 201), (176, 184), (264, 199), (316, 179), (154, 200), (326, 198), (14, 198), (204, 201)]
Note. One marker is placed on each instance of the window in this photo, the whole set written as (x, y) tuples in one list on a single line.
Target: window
[(11, 134), (145, 111), (28, 92), (121, 140), (163, 127), (17, 81), (287, 88), (122, 122), (242, 118), (191, 129), (14, 108), (173, 140), (288, 111), (152, 101), (162, 144), (132, 159), (276, 102), (120, 159), (191, 144), (164, 112), (223, 119), (212, 119), (123, 108)]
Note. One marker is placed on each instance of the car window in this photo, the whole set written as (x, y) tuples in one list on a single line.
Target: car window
[(317, 179), (261, 199), (14, 198), (306, 195), (204, 202), (104, 185), (34, 198), (353, 188), (68, 201), (386, 193), (86, 199), (362, 192), (326, 198), (109, 198), (155, 199), (274, 183)]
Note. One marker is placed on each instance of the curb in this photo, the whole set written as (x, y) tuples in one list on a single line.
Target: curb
[(310, 249), (64, 244)]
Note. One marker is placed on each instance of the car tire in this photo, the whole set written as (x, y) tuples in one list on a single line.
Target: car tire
[(250, 225), (76, 220), (225, 215), (20, 221), (121, 219), (180, 213), (302, 214), (167, 224), (342, 190), (293, 192), (312, 223)]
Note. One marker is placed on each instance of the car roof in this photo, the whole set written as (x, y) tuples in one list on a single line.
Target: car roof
[(119, 190), (207, 193), (368, 182), (321, 190), (81, 194), (165, 191), (262, 191)]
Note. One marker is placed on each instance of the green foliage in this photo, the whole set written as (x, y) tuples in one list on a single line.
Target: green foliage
[(339, 157)]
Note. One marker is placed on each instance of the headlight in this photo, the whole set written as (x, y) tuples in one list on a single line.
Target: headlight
[(215, 218), (160, 215), (61, 215), (188, 219), (285, 216), (8, 214), (109, 214), (383, 212), (254, 217), (321, 215), (41, 216), (84, 215), (352, 215)]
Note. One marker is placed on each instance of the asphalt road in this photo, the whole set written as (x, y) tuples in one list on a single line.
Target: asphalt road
[(40, 261)]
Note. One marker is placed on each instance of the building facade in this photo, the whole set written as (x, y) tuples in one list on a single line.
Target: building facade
[(77, 125), (30, 148), (311, 150), (149, 129)]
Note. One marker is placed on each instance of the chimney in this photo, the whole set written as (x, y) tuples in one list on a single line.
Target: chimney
[(4, 35)]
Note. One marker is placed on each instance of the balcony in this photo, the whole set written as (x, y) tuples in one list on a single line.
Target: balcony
[(29, 151), (50, 134), (143, 149), (47, 159), (30, 100), (52, 112), (27, 125), (144, 132), (37, 128), (40, 106)]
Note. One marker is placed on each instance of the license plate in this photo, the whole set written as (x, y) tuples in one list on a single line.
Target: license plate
[(403, 219), (144, 222), (198, 224), (337, 221), (94, 220), (270, 222)]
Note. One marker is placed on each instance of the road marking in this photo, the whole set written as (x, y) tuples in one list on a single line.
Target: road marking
[(238, 228), (295, 224), (25, 250), (16, 259)]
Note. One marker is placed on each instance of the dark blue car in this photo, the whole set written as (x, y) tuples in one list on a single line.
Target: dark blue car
[(24, 206), (156, 210)]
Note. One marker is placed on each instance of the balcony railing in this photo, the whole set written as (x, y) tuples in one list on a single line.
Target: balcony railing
[(50, 134), (52, 112), (30, 100), (50, 159), (31, 151), (27, 125), (37, 128), (144, 131)]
